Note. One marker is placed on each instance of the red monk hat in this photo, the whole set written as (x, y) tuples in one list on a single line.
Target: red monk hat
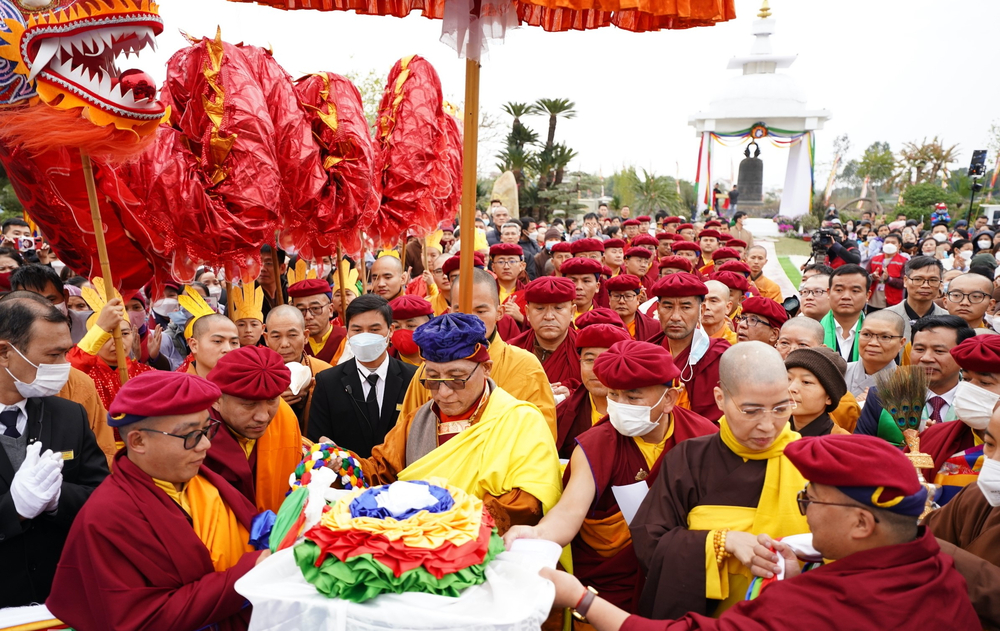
[(672, 220), (732, 280), (646, 218), (309, 287), (623, 282), (735, 243), (562, 246), (865, 468), (710, 233), (578, 265), (685, 226), (632, 364), (679, 285), (714, 223), (162, 393), (665, 236), (606, 271), (598, 315), (725, 237), (255, 373), (409, 306), (640, 252), (978, 354), (765, 308), (549, 290), (614, 243), (449, 266), (685, 245), (630, 222), (735, 266), (586, 245), (506, 249), (725, 253), (645, 239), (676, 262), (601, 336)]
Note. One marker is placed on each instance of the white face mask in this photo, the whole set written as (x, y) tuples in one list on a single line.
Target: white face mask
[(323, 270), (984, 244), (63, 309), (49, 379), (940, 237), (989, 481), (632, 420), (215, 291), (533, 236), (368, 347), (966, 254), (890, 248), (974, 405), (166, 306)]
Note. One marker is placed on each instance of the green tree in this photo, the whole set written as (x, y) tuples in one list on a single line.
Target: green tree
[(517, 110), (923, 162), (554, 109), (371, 85), (876, 164), (919, 200)]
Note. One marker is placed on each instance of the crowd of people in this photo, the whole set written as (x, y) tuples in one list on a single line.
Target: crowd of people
[(635, 389)]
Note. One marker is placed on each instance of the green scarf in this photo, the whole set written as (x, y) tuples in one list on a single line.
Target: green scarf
[(830, 337)]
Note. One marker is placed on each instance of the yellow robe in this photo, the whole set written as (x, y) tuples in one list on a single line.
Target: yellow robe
[(279, 451), (768, 288), (515, 370)]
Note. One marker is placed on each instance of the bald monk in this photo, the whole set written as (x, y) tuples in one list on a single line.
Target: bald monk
[(388, 278), (440, 296), (162, 541), (862, 506), (552, 337), (313, 298), (212, 336), (625, 293), (514, 369), (715, 312), (286, 336), (261, 444), (737, 481), (475, 435), (622, 449)]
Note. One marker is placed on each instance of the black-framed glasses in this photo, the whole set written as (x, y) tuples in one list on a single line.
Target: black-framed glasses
[(192, 439), (506, 262), (452, 383), (316, 311), (803, 500), (751, 321), (930, 282), (974, 297), (805, 293), (622, 297), (885, 338)]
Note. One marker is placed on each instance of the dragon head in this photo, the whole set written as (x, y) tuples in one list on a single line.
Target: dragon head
[(63, 52)]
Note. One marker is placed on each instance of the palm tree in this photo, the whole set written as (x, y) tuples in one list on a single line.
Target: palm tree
[(561, 157), (654, 192), (514, 159), (555, 108), (517, 110)]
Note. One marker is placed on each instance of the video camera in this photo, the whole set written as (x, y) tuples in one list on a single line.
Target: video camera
[(821, 241)]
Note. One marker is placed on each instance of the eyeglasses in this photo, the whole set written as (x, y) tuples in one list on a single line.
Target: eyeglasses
[(453, 384), (805, 293), (316, 311), (975, 297), (751, 321), (803, 500), (629, 295), (930, 282), (757, 413), (506, 262), (191, 440), (884, 338)]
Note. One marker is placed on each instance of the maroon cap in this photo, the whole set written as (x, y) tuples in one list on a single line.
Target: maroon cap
[(713, 223), (645, 239), (978, 354), (614, 243), (640, 252), (605, 270), (598, 315), (736, 243), (255, 373), (630, 222), (685, 245), (643, 218), (672, 220), (563, 246), (676, 262), (581, 266), (665, 236), (623, 282), (725, 237), (506, 249), (601, 336), (731, 280), (734, 266), (725, 253), (409, 306), (309, 287), (587, 245), (685, 226), (679, 285), (550, 289), (632, 364), (766, 308), (709, 233), (478, 260), (161, 393)]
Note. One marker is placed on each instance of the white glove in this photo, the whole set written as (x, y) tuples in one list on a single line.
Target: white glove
[(57, 458), (36, 483)]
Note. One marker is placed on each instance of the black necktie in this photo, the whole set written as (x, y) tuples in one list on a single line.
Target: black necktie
[(8, 418), (372, 400)]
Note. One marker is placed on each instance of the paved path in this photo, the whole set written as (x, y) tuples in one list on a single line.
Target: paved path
[(774, 271)]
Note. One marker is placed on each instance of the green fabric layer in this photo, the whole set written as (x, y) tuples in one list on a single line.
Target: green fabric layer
[(362, 578), (288, 514), (889, 430)]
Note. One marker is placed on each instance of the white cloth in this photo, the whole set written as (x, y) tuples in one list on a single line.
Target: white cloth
[(22, 415), (513, 598), (381, 371), (858, 381), (402, 497)]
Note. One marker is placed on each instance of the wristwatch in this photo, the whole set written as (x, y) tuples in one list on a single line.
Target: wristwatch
[(582, 607)]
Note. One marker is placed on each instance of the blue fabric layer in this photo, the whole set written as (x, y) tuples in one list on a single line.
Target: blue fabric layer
[(365, 505)]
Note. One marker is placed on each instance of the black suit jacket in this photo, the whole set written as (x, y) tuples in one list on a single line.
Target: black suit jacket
[(339, 411), (30, 549)]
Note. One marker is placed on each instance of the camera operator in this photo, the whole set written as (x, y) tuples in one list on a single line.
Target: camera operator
[(836, 248)]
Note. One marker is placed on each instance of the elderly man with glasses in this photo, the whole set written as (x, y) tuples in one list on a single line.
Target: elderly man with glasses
[(313, 297), (761, 320), (625, 294), (165, 537)]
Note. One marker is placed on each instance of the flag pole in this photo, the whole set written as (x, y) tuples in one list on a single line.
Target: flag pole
[(470, 142), (342, 281)]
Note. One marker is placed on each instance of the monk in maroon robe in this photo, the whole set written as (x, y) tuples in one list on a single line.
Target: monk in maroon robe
[(552, 338), (161, 543), (313, 297), (625, 294)]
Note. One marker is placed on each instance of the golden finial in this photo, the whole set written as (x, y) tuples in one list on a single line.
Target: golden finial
[(765, 11)]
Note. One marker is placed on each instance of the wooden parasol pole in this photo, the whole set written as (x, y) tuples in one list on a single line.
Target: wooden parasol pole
[(470, 143), (276, 262), (363, 268), (102, 254), (229, 299), (342, 281)]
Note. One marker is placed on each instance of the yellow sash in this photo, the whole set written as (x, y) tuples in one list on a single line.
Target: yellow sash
[(777, 514), (279, 451), (216, 525)]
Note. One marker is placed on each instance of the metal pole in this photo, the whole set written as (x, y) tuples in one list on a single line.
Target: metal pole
[(469, 157)]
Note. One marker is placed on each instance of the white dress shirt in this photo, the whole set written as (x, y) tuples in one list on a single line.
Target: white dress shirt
[(381, 371), (846, 343), (22, 417)]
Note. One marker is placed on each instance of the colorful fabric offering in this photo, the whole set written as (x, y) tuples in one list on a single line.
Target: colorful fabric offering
[(321, 455), (405, 537)]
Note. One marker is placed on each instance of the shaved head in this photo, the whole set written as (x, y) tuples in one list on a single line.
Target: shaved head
[(892, 319), (717, 289), (286, 313), (387, 263), (813, 329), (750, 364), (206, 323), (480, 278)]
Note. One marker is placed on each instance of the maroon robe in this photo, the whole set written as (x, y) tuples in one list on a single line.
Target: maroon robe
[(562, 365), (646, 327), (942, 441), (331, 347), (227, 458), (700, 384), (616, 460), (652, 274), (133, 561), (573, 417), (884, 588)]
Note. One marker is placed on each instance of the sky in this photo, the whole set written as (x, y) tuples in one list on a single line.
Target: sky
[(891, 70)]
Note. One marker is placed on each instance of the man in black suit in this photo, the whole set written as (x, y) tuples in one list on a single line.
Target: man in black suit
[(49, 461), (356, 403)]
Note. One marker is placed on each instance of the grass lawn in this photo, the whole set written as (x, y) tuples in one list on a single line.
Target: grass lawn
[(786, 247)]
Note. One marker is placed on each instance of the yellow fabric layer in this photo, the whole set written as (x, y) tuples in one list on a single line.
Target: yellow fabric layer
[(216, 525), (318, 346), (246, 444), (425, 530), (504, 294), (178, 496), (595, 416), (92, 342), (440, 304), (631, 328), (725, 333), (279, 451), (509, 448), (727, 582), (652, 451), (608, 536)]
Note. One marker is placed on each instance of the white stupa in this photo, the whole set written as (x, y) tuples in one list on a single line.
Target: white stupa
[(762, 95)]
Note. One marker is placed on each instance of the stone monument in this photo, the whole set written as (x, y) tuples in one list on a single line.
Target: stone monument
[(751, 181)]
